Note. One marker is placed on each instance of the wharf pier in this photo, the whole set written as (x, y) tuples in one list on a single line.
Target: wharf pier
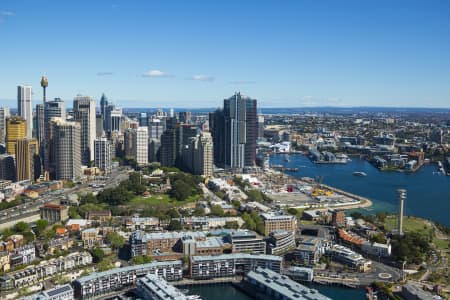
[(347, 282), (283, 168)]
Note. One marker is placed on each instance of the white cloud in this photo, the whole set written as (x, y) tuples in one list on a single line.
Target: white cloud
[(6, 13), (201, 77), (155, 74)]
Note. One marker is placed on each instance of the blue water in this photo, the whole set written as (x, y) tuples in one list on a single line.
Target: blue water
[(428, 193), (226, 292)]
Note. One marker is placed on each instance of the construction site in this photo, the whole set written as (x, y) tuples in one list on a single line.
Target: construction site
[(287, 191)]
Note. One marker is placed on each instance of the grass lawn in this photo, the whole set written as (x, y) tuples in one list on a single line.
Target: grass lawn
[(410, 224), (442, 245), (161, 199)]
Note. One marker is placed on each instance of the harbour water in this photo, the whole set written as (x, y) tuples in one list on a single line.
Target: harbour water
[(428, 192), (226, 292)]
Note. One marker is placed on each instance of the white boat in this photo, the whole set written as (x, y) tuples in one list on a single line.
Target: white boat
[(360, 174)]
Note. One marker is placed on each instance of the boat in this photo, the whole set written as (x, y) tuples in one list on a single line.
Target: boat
[(361, 174)]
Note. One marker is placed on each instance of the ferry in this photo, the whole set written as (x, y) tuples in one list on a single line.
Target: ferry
[(342, 157), (360, 174)]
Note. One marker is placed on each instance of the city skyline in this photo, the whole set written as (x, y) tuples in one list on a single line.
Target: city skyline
[(177, 54)]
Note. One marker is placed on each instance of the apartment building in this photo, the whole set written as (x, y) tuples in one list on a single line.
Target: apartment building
[(149, 244), (280, 242), (54, 213), (279, 222), (244, 241), (35, 274), (100, 283), (226, 265)]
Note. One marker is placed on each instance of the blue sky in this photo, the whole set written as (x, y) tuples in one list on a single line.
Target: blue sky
[(195, 53)]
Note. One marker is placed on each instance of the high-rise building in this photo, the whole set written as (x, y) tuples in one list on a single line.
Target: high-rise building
[(143, 120), (40, 125), (168, 149), (260, 126), (155, 128), (4, 114), (128, 137), (112, 119), (235, 129), (204, 164), (25, 108), (251, 128), (153, 150), (7, 167), (84, 113), (102, 157), (184, 117), (16, 128), (140, 145), (103, 106), (217, 127), (198, 154), (99, 125), (67, 145), (52, 109), (28, 166)]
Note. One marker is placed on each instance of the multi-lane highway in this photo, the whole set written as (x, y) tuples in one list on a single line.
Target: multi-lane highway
[(29, 211)]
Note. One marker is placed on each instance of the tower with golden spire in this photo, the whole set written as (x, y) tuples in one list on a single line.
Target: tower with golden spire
[(44, 84)]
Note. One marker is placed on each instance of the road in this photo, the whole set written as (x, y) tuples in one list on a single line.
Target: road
[(26, 209), (364, 279)]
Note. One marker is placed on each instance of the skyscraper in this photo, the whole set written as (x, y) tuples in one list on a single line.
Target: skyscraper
[(184, 117), (251, 128), (4, 114), (84, 113), (24, 107), (198, 155), (217, 127), (140, 145), (235, 131), (16, 128), (40, 126), (7, 167), (260, 126), (103, 105), (102, 157), (52, 109), (168, 149), (128, 137), (28, 166), (113, 116), (155, 129), (204, 165), (67, 145)]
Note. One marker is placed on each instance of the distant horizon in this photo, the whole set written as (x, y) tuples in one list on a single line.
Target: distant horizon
[(177, 108)]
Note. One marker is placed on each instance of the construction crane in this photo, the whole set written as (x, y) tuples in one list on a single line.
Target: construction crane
[(318, 190)]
